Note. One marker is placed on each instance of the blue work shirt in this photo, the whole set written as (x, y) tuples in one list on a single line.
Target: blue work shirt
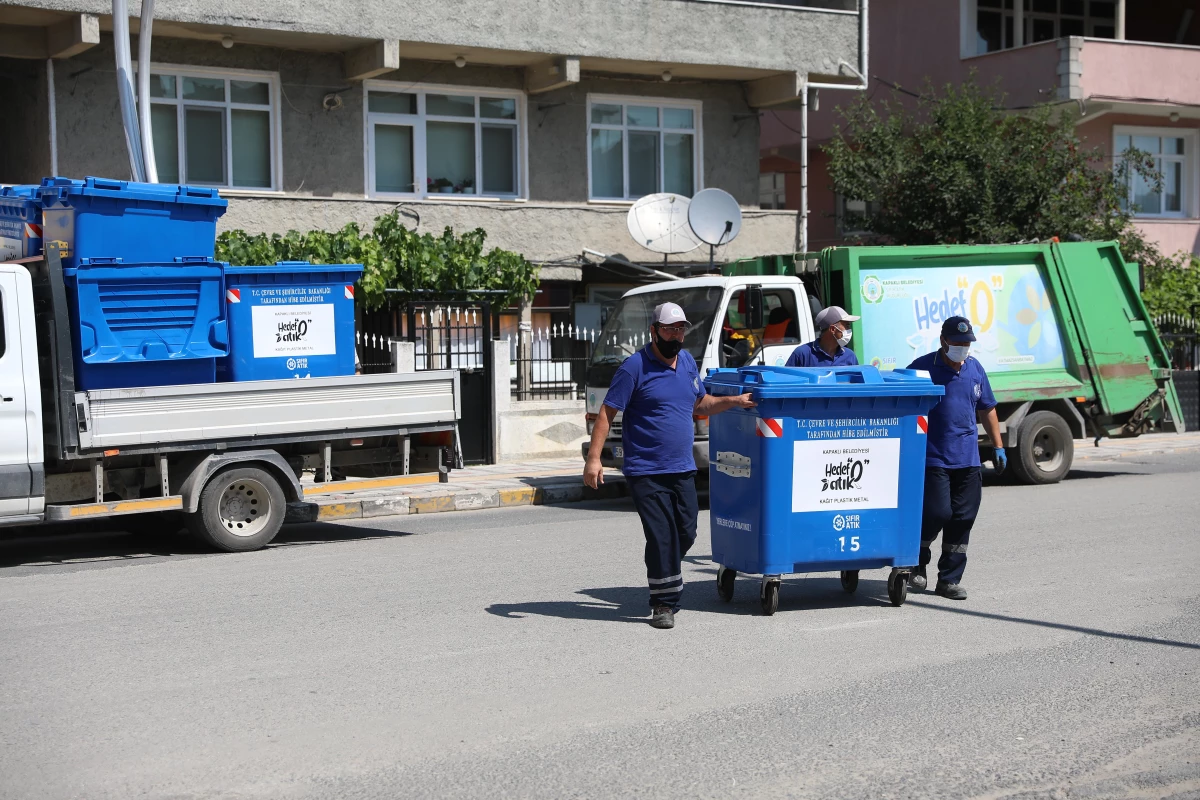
[(656, 401), (811, 355), (953, 435)]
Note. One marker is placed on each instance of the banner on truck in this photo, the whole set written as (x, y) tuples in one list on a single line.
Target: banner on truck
[(902, 316)]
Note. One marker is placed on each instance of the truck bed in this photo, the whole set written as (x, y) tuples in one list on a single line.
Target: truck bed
[(162, 416)]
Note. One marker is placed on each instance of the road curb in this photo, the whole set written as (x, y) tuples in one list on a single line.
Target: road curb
[(1099, 454), (570, 490)]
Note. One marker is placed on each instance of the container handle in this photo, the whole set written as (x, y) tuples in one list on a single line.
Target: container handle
[(107, 184), (192, 259), (98, 261)]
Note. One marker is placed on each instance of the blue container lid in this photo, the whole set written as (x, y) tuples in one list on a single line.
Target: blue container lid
[(185, 267), (772, 383), (22, 192), (62, 190), (298, 268)]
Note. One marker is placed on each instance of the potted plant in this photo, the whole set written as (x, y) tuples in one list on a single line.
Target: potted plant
[(442, 185), (467, 186)]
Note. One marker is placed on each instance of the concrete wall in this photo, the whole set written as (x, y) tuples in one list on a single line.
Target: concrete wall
[(681, 31), (24, 121), (531, 429)]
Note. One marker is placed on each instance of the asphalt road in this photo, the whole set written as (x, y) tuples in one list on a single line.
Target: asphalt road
[(506, 654)]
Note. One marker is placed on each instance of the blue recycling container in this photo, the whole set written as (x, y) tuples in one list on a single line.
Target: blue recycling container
[(136, 222), (290, 320), (155, 324), (20, 222), (826, 474)]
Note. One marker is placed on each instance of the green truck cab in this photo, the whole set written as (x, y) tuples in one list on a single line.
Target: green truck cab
[(1062, 332)]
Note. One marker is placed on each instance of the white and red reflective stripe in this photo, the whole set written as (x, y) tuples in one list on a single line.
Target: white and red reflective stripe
[(922, 424), (233, 295), (349, 292), (769, 428), (33, 231)]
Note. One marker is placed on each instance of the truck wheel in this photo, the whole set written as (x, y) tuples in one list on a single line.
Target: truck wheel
[(1045, 450), (241, 509)]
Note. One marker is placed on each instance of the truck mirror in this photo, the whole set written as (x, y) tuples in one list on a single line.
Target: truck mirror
[(754, 307)]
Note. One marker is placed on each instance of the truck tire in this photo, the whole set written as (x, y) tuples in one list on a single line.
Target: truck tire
[(241, 508), (1045, 449)]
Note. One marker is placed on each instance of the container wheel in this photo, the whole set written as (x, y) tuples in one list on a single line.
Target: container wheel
[(1045, 449), (897, 587), (850, 580), (725, 578), (241, 508), (769, 597)]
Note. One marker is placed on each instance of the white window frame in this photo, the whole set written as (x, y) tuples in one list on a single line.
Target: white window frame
[(179, 72), (697, 131), (417, 123), (778, 192), (1190, 191)]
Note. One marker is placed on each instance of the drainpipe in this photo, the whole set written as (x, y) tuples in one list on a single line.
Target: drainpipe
[(133, 144), (53, 116), (1018, 25), (864, 49), (147, 133), (1120, 20)]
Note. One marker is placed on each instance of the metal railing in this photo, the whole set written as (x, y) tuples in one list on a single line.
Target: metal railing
[(556, 366), (1180, 334)]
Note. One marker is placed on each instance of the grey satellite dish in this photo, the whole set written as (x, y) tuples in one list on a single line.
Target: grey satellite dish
[(715, 218), (659, 222)]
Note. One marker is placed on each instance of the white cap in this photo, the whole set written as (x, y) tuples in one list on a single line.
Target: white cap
[(669, 314), (832, 316)]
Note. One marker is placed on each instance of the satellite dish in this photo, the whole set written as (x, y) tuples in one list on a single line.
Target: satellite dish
[(659, 222), (715, 217)]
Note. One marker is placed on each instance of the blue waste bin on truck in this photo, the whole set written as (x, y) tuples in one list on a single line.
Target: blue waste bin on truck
[(20, 222), (826, 475), (290, 320), (137, 222), (157, 324)]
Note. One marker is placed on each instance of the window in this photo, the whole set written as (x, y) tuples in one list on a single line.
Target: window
[(1174, 153), (1044, 20), (772, 192), (781, 326), (215, 128), (640, 146), (443, 140), (852, 214)]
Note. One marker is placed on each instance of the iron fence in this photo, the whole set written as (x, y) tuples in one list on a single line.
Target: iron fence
[(1181, 336), (556, 365)]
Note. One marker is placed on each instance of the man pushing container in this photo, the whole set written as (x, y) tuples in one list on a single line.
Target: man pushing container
[(659, 391)]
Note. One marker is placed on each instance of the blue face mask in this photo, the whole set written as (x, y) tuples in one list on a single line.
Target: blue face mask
[(958, 352)]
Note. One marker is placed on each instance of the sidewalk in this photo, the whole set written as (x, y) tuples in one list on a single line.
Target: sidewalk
[(533, 483)]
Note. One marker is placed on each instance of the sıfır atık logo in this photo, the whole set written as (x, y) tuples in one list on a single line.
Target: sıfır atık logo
[(839, 522)]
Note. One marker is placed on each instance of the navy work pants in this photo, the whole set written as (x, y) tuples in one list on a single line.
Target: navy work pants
[(668, 507), (951, 504)]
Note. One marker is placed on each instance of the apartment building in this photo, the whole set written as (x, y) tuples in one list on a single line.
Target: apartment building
[(1128, 70), (540, 122)]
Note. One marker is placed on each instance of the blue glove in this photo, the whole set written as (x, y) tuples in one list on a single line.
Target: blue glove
[(999, 460)]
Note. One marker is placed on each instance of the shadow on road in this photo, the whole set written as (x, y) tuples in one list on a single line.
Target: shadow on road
[(1057, 625)]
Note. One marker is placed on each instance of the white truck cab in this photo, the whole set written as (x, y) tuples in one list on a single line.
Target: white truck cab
[(720, 311), (22, 474)]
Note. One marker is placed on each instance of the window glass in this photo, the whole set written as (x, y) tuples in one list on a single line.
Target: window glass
[(987, 31), (162, 86), (1173, 145), (1172, 186), (643, 163), (251, 148), (679, 164), (678, 118), (205, 143), (250, 92), (641, 116), (1070, 27), (1122, 143), (1043, 30), (498, 107), (1147, 144), (1144, 197), (391, 103), (1073, 7), (394, 158), (212, 89), (449, 105), (164, 123), (1102, 8), (499, 159), (606, 114), (450, 153), (608, 173)]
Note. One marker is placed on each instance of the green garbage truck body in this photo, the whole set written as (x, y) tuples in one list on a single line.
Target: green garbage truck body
[(1062, 332)]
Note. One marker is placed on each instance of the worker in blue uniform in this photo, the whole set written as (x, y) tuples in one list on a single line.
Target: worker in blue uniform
[(829, 349), (953, 479), (660, 392)]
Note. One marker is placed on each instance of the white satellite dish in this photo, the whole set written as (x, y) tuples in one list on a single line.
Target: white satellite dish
[(659, 222), (715, 217)]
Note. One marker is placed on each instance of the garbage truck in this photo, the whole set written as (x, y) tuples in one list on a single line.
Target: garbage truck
[(223, 458), (1063, 334)]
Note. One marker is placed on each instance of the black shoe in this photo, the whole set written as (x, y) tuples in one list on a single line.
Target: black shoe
[(918, 580), (951, 590), (663, 618)]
